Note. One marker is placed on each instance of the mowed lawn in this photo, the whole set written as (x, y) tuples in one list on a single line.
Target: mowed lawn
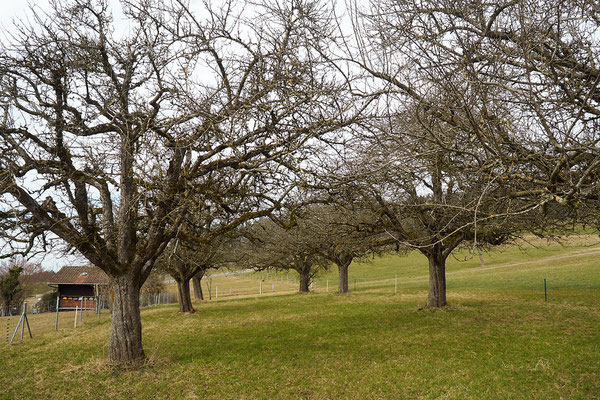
[(497, 339)]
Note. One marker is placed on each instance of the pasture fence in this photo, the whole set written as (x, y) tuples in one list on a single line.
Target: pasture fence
[(41, 317)]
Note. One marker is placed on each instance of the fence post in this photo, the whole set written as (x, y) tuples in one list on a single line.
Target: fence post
[(56, 321), (81, 311), (327, 287), (75, 323), (26, 321), (23, 322), (16, 330), (260, 287)]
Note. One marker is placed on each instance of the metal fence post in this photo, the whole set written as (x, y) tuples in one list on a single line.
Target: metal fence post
[(56, 321), (16, 330), (22, 322), (98, 306), (26, 321)]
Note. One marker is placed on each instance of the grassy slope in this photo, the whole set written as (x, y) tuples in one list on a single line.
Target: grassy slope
[(498, 339)]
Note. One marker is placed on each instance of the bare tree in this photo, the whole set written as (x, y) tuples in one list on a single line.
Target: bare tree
[(431, 190), (501, 100), (341, 232), (518, 77), (187, 261), (104, 135), (275, 245), (155, 283)]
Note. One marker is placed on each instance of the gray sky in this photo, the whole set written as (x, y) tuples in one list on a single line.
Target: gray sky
[(16, 9)]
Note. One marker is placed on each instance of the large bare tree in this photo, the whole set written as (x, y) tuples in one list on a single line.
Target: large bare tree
[(430, 189), (105, 133), (519, 77)]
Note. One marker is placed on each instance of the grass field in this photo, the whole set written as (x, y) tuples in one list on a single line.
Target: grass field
[(498, 339)]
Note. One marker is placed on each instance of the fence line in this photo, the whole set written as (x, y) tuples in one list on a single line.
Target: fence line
[(152, 299), (43, 316)]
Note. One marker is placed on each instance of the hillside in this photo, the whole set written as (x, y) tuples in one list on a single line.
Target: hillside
[(497, 339)]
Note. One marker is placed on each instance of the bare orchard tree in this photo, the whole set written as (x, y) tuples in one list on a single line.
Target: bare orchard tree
[(431, 190), (183, 263), (520, 77), (105, 134), (203, 242), (273, 245), (341, 232), (155, 283)]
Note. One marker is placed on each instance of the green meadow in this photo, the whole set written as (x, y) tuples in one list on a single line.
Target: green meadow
[(497, 339)]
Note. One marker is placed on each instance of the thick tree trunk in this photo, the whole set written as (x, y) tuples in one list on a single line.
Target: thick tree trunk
[(343, 276), (185, 297), (198, 287), (437, 278), (125, 339), (304, 280)]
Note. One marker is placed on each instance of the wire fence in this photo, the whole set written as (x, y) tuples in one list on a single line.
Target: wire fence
[(152, 299), (29, 323), (35, 318), (42, 316)]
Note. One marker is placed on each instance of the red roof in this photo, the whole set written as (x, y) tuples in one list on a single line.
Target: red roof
[(80, 275)]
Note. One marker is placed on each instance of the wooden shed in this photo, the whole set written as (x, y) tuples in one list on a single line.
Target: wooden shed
[(79, 286)]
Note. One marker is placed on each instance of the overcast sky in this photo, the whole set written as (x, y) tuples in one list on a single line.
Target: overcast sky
[(16, 9)]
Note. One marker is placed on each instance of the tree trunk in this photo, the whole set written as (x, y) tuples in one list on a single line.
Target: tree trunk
[(304, 279), (437, 278), (198, 287), (125, 339), (343, 276), (185, 297)]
